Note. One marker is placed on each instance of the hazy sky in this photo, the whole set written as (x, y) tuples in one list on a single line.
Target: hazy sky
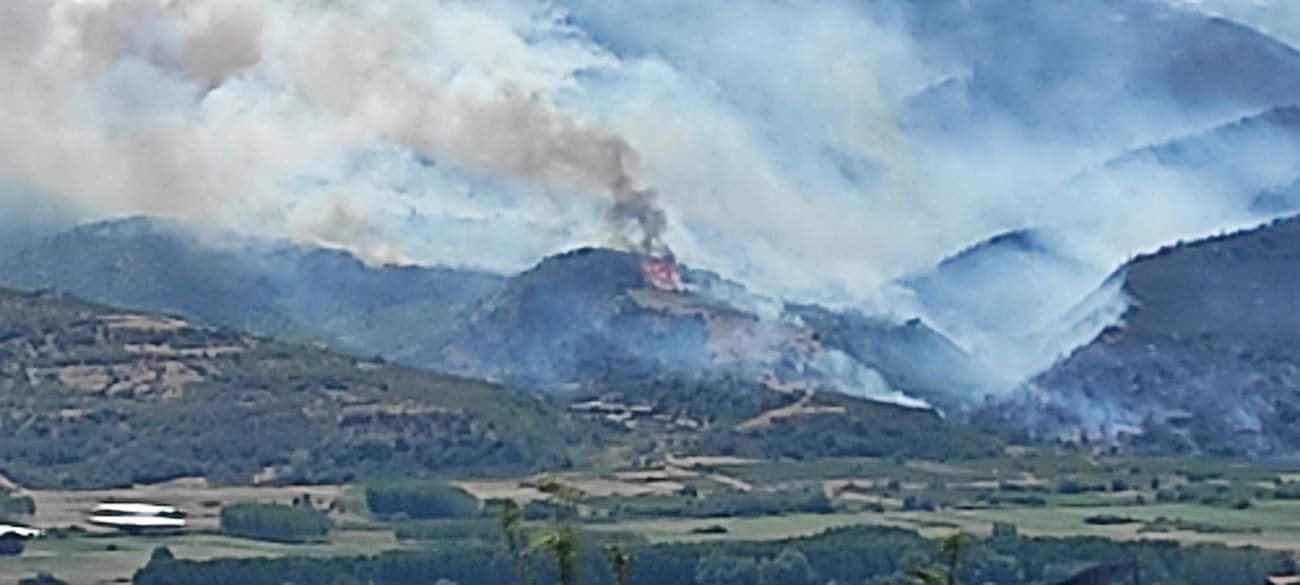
[(773, 141)]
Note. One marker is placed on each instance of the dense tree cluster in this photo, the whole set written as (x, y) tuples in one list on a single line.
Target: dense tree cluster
[(275, 523), (420, 500), (84, 390), (869, 555), (790, 567)]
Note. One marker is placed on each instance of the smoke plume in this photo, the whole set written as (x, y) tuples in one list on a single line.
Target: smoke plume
[(815, 151), (353, 69), (193, 108)]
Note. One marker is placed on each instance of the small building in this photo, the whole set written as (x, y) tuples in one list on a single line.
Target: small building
[(14, 537), (23, 532), (134, 517), (613, 411)]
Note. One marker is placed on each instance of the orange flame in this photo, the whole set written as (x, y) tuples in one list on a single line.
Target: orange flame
[(662, 274)]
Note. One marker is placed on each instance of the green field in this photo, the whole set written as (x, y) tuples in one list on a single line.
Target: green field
[(1040, 493), (104, 559), (1270, 525), (1043, 493)]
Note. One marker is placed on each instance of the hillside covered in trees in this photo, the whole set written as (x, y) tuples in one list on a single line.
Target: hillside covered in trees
[(95, 396), (1205, 359)]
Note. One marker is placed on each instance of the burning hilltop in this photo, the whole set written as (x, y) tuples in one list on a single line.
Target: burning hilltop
[(596, 317), (571, 318), (663, 274)]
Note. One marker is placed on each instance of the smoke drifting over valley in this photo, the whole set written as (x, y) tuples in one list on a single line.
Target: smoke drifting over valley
[(833, 152), (197, 108)]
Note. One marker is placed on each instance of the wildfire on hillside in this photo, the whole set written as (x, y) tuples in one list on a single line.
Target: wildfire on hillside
[(663, 274)]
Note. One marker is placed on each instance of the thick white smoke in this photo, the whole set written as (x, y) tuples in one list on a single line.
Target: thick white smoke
[(811, 150), (258, 113), (232, 110), (1280, 18)]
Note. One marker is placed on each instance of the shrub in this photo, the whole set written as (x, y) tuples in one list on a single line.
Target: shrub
[(1108, 520), (1005, 530), (11, 546), (1287, 491), (161, 554), (42, 578), (918, 503), (710, 529)]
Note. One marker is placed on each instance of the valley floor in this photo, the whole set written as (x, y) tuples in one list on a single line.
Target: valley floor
[(102, 559), (1273, 526), (1039, 493)]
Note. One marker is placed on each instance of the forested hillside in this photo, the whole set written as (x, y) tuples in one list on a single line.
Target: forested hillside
[(1205, 360), (94, 396), (271, 288)]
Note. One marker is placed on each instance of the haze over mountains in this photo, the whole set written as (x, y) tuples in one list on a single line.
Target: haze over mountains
[(1206, 356), (937, 126), (589, 316), (266, 287), (937, 205), (1204, 321)]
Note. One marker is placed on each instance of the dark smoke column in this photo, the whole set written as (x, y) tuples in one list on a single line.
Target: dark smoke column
[(636, 220), (638, 210)]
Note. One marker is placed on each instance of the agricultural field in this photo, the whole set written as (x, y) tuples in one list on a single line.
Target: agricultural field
[(1039, 493), (114, 558), (201, 502), (1273, 526), (81, 553), (1036, 493)]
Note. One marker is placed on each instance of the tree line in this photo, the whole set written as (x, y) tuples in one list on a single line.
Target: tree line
[(867, 555)]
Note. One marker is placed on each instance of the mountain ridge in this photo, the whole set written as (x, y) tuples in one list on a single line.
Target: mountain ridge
[(1205, 358), (265, 287), (594, 316)]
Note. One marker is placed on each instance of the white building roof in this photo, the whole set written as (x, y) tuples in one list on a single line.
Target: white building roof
[(138, 521), (133, 509), (21, 531)]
